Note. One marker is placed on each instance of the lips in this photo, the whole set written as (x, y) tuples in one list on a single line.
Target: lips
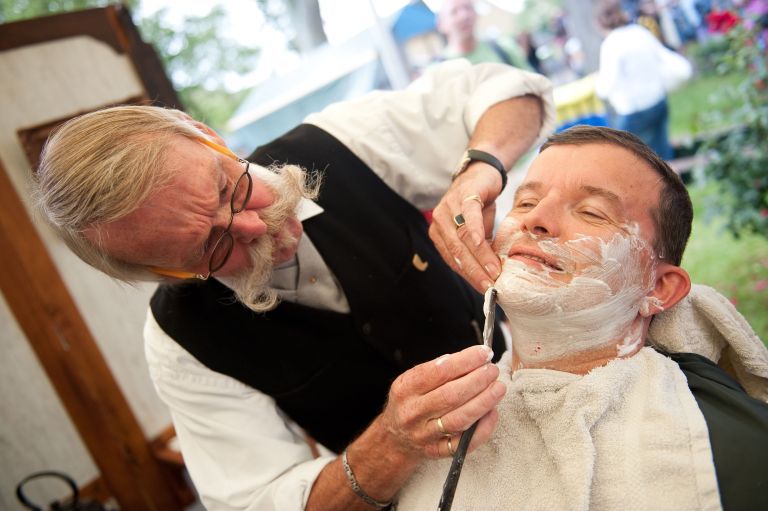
[(535, 258)]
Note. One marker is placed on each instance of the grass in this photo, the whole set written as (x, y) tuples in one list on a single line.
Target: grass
[(736, 267), (691, 106)]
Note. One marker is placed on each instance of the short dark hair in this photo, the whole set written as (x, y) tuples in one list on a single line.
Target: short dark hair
[(673, 216), (610, 14)]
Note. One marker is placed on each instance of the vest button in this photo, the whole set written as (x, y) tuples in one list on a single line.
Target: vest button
[(367, 328)]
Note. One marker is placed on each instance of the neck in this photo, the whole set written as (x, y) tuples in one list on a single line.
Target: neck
[(576, 363), (463, 45)]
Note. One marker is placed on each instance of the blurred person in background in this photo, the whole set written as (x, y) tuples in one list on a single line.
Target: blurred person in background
[(636, 72), (648, 17), (456, 21)]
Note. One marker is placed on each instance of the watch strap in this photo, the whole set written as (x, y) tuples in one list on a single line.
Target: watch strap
[(471, 155)]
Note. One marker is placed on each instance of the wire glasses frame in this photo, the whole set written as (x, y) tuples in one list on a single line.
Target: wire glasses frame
[(222, 249)]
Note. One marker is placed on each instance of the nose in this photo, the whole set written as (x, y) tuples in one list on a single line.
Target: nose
[(261, 195), (541, 220), (247, 226)]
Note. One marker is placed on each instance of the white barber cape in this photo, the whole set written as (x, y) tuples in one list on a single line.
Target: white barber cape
[(628, 435)]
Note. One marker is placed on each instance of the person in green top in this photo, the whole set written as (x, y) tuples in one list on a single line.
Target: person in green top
[(456, 21)]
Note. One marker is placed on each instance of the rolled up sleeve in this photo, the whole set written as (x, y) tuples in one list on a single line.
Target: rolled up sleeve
[(413, 139)]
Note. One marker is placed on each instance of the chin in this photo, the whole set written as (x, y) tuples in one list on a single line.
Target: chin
[(287, 241), (286, 254)]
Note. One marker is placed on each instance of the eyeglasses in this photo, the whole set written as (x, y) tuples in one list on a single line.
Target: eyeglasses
[(224, 244), (222, 249)]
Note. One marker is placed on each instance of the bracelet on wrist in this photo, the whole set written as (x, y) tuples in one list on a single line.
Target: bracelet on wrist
[(356, 486), (471, 155)]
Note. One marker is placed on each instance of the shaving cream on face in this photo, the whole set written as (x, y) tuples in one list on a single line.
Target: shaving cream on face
[(591, 300)]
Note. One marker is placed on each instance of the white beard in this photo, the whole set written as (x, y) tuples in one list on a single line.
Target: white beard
[(289, 184)]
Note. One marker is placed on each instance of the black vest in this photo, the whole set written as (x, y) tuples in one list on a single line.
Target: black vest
[(331, 372)]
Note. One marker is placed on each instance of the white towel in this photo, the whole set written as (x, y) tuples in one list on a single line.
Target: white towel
[(706, 323), (627, 436)]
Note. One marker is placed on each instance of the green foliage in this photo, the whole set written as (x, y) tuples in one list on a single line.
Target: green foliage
[(198, 55), (694, 111), (738, 161), (706, 56), (736, 267), (537, 15), (16, 10)]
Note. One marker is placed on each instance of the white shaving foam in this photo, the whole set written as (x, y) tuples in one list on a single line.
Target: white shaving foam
[(592, 300)]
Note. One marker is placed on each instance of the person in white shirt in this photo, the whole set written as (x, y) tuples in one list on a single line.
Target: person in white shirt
[(633, 77), (329, 309)]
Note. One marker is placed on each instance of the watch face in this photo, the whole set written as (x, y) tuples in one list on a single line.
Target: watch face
[(465, 159)]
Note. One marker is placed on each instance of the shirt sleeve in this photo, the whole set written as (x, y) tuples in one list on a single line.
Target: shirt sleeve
[(240, 451), (413, 139)]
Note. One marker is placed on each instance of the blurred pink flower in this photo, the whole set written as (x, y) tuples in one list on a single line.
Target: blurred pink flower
[(760, 285)]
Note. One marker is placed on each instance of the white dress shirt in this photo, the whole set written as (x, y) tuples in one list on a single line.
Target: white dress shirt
[(241, 451)]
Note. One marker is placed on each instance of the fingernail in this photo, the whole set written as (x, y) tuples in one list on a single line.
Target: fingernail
[(456, 260), (441, 360), (489, 352), (493, 270), (499, 390), (486, 284)]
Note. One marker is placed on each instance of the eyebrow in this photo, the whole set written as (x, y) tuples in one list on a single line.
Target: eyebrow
[(530, 185), (535, 186), (602, 192)]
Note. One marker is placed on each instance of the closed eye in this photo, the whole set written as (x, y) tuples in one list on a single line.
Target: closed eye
[(213, 237), (593, 214), (526, 204)]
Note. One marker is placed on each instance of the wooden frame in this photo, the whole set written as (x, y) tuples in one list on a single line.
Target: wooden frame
[(134, 471), (113, 26), (48, 316)]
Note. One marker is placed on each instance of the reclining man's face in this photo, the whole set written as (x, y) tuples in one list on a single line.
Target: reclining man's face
[(178, 225), (578, 264)]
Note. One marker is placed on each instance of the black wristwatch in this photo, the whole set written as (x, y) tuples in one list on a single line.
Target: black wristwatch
[(471, 155)]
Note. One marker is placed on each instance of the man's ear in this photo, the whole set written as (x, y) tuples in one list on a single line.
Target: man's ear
[(672, 285)]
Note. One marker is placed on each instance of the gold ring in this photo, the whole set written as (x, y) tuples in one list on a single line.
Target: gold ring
[(441, 427), (451, 451), (459, 221), (475, 198)]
